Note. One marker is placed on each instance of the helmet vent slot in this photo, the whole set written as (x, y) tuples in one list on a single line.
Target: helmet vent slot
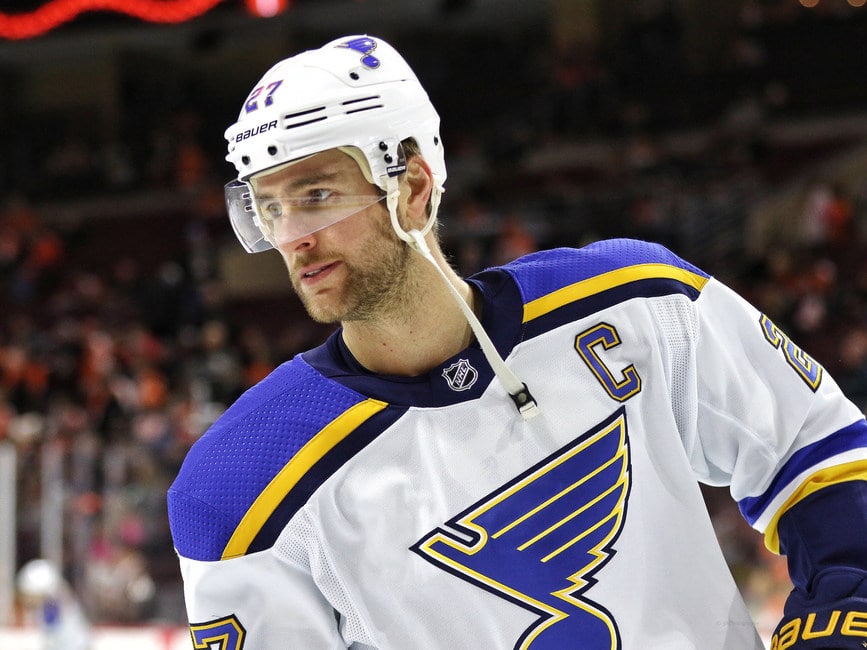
[(364, 108), (360, 99), (290, 124), (303, 113), (305, 122), (358, 105)]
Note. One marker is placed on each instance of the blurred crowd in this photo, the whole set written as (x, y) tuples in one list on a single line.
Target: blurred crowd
[(120, 343)]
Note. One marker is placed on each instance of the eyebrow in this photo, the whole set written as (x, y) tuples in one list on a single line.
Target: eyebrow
[(309, 180)]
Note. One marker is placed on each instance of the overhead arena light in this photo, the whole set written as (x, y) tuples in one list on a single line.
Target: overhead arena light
[(17, 26), (266, 8)]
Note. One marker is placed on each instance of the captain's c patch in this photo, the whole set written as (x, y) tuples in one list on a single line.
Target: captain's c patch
[(538, 540)]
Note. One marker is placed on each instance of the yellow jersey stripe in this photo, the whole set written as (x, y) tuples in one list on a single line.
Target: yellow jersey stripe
[(852, 471), (274, 493), (609, 280)]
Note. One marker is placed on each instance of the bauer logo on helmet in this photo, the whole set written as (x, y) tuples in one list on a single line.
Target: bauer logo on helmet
[(256, 130)]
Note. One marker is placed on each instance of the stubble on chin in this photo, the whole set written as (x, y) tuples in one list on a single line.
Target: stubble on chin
[(315, 307), (376, 282), (379, 286)]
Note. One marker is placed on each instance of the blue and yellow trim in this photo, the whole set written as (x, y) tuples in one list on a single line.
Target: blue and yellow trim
[(611, 280), (852, 471), (287, 478), (811, 462)]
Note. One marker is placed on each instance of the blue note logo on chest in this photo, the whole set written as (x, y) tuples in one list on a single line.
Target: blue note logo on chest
[(539, 540)]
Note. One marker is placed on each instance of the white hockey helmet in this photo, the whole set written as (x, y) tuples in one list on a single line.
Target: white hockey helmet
[(355, 93), (40, 579)]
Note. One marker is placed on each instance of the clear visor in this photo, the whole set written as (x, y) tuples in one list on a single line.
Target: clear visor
[(242, 216), (268, 222)]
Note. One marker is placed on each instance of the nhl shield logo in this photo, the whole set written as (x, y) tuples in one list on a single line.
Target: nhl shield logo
[(460, 375)]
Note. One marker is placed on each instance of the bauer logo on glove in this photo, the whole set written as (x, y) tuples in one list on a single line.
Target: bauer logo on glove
[(822, 631)]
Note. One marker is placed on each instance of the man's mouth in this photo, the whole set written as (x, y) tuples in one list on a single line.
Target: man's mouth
[(312, 272)]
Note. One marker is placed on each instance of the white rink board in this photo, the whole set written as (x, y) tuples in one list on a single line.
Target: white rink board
[(107, 638)]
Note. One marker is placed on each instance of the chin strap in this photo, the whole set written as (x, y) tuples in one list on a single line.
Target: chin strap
[(518, 391)]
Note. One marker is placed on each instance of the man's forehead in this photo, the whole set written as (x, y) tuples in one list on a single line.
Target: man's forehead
[(332, 163)]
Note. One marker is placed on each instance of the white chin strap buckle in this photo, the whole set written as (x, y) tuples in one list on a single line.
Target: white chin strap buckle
[(525, 402)]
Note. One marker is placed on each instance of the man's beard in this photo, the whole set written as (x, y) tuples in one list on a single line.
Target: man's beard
[(377, 283)]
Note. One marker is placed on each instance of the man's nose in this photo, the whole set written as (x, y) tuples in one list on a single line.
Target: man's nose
[(297, 244)]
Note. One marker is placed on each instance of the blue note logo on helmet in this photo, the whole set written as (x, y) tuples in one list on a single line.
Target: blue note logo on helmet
[(366, 46)]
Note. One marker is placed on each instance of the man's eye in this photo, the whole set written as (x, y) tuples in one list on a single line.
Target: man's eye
[(272, 209), (319, 195)]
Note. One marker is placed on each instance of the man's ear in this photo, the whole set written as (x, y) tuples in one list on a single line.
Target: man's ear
[(416, 192)]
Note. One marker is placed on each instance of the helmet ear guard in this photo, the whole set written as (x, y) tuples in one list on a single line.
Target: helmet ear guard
[(393, 194), (393, 157)]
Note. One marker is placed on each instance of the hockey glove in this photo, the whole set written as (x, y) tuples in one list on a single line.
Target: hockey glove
[(810, 625), (824, 537)]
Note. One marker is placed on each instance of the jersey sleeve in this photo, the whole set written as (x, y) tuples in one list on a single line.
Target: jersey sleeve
[(257, 601), (236, 512), (768, 420)]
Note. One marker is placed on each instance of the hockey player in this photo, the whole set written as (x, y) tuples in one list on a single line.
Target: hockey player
[(509, 460), (50, 601)]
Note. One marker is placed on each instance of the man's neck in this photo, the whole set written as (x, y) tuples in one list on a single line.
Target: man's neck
[(426, 331)]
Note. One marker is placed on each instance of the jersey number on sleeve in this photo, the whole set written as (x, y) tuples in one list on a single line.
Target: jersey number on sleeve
[(221, 634), (803, 364)]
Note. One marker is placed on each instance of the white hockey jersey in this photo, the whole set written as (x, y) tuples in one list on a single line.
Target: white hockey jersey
[(334, 508)]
